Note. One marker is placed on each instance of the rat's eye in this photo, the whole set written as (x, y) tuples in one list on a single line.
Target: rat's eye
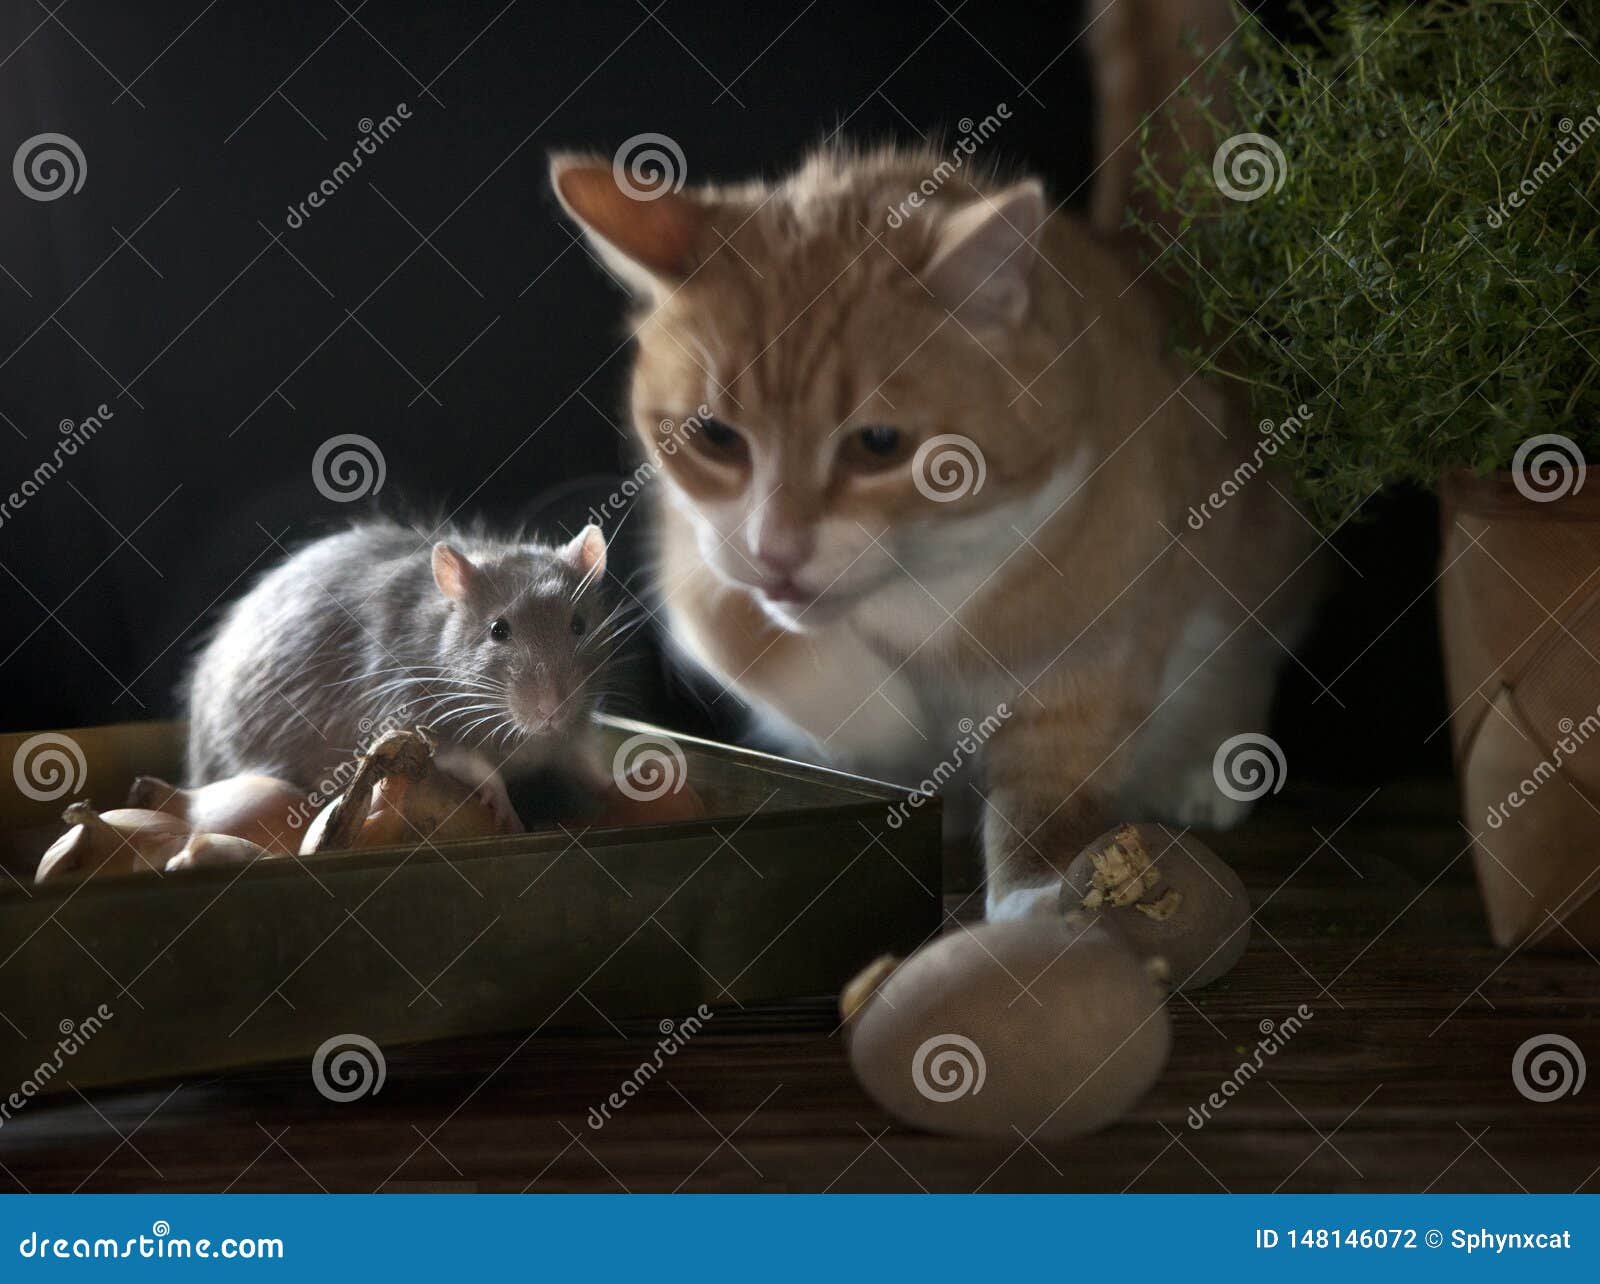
[(876, 446), (577, 626), (499, 630)]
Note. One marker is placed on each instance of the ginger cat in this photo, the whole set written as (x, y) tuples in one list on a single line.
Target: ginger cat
[(952, 476)]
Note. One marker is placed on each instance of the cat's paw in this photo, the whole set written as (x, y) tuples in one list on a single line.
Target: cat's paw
[(1023, 902), (1191, 797)]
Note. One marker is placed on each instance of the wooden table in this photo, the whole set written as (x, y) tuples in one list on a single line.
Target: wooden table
[(1366, 913)]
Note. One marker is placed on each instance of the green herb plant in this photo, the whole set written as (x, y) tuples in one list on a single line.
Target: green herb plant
[(1410, 245)]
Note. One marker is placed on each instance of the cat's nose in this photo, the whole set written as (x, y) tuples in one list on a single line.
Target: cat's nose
[(778, 564), (779, 551)]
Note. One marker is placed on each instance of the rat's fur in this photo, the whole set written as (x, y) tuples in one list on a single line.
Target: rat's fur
[(1068, 592), (354, 635)]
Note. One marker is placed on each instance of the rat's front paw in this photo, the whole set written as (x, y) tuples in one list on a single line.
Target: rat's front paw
[(492, 794)]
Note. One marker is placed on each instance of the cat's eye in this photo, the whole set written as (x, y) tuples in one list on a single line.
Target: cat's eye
[(499, 629), (719, 441), (577, 626), (879, 439), (875, 446)]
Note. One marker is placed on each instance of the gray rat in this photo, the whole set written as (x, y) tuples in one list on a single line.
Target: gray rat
[(496, 646)]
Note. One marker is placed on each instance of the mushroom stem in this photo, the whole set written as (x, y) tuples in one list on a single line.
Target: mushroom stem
[(861, 987)]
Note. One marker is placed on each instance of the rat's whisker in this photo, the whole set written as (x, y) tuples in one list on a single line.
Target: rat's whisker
[(452, 715), (495, 717), (607, 634), (589, 578), (434, 691), (422, 679), (417, 670)]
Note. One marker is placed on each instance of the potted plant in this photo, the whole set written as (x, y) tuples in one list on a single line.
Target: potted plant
[(1399, 225)]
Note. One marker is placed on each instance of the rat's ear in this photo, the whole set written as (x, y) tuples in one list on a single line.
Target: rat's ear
[(453, 572), (647, 236), (984, 256), (585, 552)]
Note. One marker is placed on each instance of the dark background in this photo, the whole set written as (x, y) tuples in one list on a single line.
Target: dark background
[(227, 356)]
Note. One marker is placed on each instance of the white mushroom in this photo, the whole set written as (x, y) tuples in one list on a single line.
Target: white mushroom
[(1168, 895), (1047, 1027)]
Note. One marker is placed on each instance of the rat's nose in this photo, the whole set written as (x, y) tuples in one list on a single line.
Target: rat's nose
[(539, 705)]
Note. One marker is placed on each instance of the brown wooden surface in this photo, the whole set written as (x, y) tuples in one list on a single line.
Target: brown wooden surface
[(1400, 1081)]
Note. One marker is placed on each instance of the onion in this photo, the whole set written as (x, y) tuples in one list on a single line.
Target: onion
[(129, 840), (638, 801), (399, 796), (263, 809), (204, 850)]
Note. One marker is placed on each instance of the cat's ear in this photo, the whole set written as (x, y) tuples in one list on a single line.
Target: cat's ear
[(983, 258), (585, 552), (649, 240), (453, 572)]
